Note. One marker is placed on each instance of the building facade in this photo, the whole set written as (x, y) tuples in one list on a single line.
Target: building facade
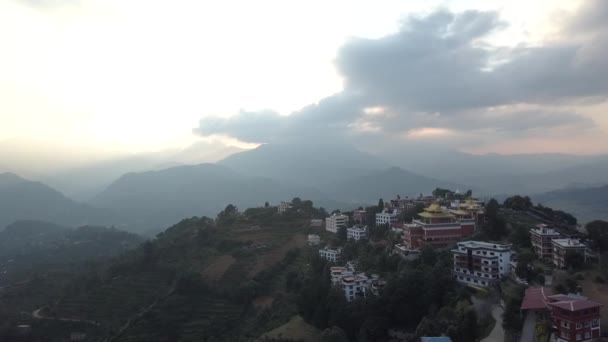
[(335, 221), (360, 216), (481, 263), (332, 255), (356, 233), (563, 246), (438, 227), (574, 319), (386, 217), (283, 207), (541, 238)]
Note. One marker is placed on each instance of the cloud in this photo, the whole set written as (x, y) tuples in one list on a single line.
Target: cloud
[(438, 73)]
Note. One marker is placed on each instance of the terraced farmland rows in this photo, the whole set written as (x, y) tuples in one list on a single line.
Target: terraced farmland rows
[(114, 302), (185, 318)]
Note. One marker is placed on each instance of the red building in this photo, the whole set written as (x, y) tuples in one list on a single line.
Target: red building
[(438, 227), (574, 319), (360, 216)]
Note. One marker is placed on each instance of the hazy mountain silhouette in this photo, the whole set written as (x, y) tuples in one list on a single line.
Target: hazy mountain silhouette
[(21, 199), (154, 199), (305, 164), (388, 183), (586, 204)]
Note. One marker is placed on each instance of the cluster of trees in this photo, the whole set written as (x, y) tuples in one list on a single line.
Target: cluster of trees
[(495, 227), (524, 203), (451, 195), (414, 290)]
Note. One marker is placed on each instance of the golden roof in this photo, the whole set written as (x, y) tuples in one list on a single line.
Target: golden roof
[(435, 215), (435, 211), (460, 212), (434, 208)]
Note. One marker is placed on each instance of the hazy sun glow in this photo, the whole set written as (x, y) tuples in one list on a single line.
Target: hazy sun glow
[(138, 75)]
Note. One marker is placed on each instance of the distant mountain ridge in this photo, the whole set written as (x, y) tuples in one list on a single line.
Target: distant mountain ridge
[(161, 197), (304, 164), (587, 204), (389, 182), (21, 199)]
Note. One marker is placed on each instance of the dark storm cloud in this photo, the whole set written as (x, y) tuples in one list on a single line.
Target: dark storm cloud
[(437, 72)]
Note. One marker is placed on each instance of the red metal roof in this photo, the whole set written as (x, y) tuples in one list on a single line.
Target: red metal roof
[(535, 298), (575, 305)]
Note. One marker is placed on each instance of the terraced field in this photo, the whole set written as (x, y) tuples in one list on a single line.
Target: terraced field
[(185, 318), (275, 255), (111, 303), (215, 271)]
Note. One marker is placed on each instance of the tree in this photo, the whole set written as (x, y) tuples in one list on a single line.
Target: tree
[(333, 334), (598, 234), (374, 329), (228, 216), (342, 234), (469, 193), (574, 260), (296, 202), (380, 206), (266, 205), (518, 202)]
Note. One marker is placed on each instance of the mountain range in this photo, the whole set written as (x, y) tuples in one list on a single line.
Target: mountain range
[(587, 204), (335, 177)]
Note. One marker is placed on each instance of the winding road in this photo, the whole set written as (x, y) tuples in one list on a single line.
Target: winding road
[(498, 333)]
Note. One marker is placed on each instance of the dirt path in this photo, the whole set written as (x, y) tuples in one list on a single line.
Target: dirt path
[(36, 314), (498, 333)]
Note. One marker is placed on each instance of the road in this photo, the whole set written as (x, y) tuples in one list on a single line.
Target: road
[(529, 328), (498, 333), (38, 315)]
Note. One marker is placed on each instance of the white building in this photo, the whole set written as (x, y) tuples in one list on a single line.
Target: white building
[(284, 206), (354, 286), (333, 222), (481, 263), (330, 254), (562, 246), (314, 239), (386, 217), (356, 233)]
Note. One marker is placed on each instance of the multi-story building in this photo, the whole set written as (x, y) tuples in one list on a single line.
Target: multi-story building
[(354, 286), (330, 254), (314, 239), (386, 217), (335, 221), (563, 246), (437, 227), (481, 263), (360, 216), (542, 237), (283, 207), (356, 233), (574, 319)]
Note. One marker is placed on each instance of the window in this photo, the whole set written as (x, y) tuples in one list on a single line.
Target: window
[(587, 324), (579, 337), (587, 334), (565, 324), (565, 334), (596, 322), (579, 326)]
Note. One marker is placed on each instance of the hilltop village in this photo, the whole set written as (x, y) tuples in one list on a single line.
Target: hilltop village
[(455, 223), (440, 267)]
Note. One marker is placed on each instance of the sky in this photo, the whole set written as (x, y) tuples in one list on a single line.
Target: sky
[(87, 80)]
